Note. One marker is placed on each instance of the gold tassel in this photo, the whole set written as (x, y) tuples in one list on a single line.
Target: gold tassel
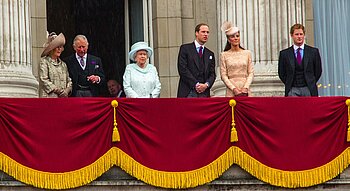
[(115, 135), (234, 135), (348, 104)]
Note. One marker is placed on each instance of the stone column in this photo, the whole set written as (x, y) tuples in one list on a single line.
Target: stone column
[(16, 78), (264, 26)]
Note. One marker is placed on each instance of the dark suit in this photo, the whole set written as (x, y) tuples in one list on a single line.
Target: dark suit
[(312, 68), (188, 65), (93, 67), (122, 94)]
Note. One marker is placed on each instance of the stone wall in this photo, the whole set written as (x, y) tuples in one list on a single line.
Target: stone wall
[(233, 179)]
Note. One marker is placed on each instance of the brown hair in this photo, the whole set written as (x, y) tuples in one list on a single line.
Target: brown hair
[(297, 26), (199, 26), (228, 45)]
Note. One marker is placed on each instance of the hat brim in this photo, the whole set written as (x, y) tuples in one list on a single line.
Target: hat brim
[(60, 40), (134, 51)]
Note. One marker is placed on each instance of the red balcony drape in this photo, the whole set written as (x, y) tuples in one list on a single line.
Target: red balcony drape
[(173, 143)]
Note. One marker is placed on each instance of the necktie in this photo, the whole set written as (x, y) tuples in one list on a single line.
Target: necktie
[(200, 51), (82, 63), (299, 56)]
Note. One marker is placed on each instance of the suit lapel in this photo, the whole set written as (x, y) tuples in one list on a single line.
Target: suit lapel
[(194, 53), (89, 66), (306, 56), (75, 63), (206, 60), (292, 58)]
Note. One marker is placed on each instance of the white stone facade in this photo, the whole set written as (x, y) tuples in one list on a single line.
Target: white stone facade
[(16, 78)]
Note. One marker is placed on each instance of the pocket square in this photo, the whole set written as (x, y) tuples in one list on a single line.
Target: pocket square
[(210, 57), (97, 66)]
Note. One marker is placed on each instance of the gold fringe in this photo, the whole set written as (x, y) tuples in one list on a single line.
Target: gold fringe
[(63, 180), (292, 179), (234, 135), (176, 180), (115, 134), (347, 102)]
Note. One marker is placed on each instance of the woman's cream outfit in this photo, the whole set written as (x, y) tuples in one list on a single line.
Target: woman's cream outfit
[(53, 74), (236, 70)]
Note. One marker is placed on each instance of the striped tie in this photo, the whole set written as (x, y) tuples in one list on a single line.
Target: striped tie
[(82, 63)]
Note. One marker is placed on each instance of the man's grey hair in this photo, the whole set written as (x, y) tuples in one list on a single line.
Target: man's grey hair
[(80, 37)]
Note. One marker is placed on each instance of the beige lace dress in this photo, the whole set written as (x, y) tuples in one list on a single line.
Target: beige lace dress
[(236, 70)]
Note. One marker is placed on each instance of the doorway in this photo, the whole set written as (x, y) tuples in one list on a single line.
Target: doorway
[(101, 21)]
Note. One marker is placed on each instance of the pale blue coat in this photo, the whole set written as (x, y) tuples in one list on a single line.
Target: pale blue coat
[(141, 82)]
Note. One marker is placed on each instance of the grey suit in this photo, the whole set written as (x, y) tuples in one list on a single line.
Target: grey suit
[(312, 68)]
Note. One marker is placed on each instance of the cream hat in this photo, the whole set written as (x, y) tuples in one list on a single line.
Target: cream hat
[(53, 41), (228, 28), (139, 46)]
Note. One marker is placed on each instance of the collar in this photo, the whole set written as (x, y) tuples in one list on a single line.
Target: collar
[(295, 47), (78, 57), (197, 44), (119, 93)]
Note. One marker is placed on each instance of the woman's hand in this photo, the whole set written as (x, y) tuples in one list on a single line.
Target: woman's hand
[(236, 91), (245, 90)]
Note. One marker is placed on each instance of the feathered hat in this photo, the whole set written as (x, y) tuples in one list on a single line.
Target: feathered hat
[(228, 29), (53, 41)]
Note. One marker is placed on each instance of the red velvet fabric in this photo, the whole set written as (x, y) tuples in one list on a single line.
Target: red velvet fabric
[(174, 135), (55, 135), (292, 133)]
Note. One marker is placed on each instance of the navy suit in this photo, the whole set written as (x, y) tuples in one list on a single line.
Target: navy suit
[(188, 65), (312, 68), (93, 67)]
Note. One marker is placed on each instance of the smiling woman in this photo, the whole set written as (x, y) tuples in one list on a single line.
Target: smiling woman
[(141, 79), (53, 73)]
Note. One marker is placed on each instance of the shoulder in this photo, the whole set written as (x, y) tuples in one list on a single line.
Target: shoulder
[(130, 66), (152, 67), (246, 51), (187, 45), (90, 56), (63, 63), (44, 60), (284, 51), (209, 51), (69, 59), (224, 54), (307, 47)]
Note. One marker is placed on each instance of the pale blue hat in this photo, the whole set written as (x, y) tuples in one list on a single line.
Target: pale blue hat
[(139, 46)]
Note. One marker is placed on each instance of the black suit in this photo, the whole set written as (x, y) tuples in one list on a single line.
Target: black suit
[(93, 67), (188, 65), (312, 68)]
